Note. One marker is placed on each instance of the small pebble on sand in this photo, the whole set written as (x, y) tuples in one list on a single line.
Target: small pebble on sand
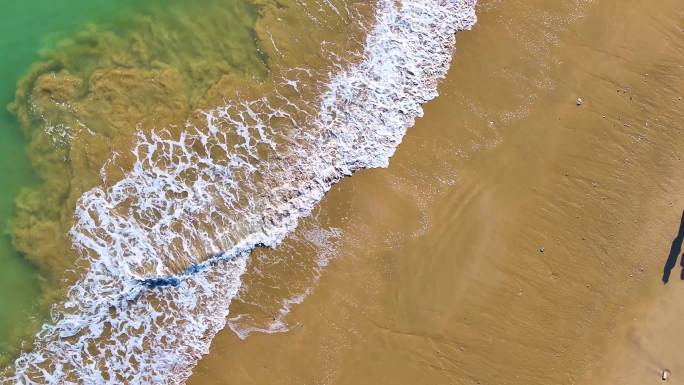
[(579, 101), (665, 375)]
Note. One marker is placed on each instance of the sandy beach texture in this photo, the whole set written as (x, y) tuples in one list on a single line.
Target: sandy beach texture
[(516, 237)]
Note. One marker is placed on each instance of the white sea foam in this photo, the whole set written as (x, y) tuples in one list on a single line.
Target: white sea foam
[(263, 303), (168, 244)]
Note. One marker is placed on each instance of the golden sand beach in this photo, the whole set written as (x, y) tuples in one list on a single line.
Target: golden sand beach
[(516, 237)]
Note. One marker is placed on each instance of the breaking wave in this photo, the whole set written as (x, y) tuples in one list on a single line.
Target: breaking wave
[(167, 245)]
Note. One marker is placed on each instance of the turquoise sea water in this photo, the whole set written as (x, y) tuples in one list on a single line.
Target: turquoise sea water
[(31, 27), (26, 28)]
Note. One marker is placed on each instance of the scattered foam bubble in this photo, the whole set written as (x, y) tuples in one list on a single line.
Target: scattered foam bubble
[(265, 297), (167, 245)]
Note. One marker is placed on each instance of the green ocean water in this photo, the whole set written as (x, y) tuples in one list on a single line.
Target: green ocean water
[(128, 35), (27, 27)]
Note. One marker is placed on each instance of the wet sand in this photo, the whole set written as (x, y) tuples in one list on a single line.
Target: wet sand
[(516, 238)]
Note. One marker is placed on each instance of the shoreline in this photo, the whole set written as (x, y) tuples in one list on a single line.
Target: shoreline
[(516, 241)]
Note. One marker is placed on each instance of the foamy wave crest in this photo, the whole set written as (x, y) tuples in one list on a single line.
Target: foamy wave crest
[(166, 246)]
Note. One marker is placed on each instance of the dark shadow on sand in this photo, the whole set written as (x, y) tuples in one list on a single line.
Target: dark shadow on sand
[(675, 250)]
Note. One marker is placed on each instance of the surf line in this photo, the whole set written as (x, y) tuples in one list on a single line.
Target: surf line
[(195, 268)]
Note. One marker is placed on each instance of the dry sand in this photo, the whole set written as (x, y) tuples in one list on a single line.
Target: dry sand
[(516, 238)]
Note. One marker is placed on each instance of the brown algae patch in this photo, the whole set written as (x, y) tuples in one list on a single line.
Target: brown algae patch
[(82, 103)]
